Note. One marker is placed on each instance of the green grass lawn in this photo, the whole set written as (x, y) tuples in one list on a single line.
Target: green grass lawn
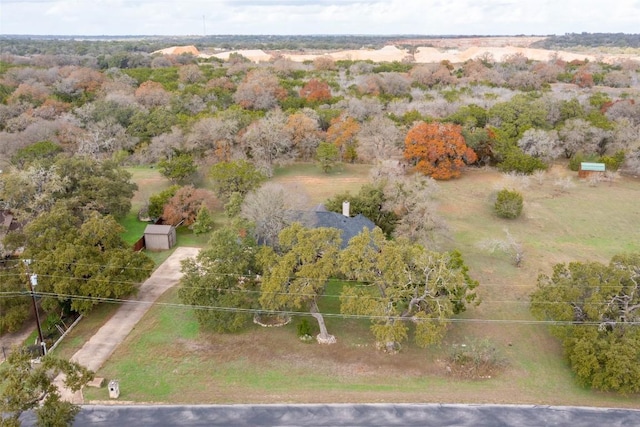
[(168, 358)]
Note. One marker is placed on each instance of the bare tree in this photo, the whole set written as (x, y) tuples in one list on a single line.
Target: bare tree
[(105, 138), (267, 141), (162, 146), (190, 74), (617, 78), (540, 143), (214, 137), (361, 109), (395, 84), (412, 199), (152, 94), (324, 63), (509, 246), (379, 138), (260, 90), (304, 131), (432, 74), (273, 207), (578, 135)]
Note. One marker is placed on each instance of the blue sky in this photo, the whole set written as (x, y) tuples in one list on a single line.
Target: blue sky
[(427, 17)]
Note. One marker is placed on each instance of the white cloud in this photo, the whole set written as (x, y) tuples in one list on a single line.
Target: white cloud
[(185, 17)]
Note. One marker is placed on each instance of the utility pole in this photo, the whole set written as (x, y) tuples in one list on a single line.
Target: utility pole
[(33, 281)]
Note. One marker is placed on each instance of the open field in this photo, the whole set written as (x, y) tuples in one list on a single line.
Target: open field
[(168, 358), (320, 186)]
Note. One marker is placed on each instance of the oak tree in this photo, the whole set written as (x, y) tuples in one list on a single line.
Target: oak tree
[(14, 304), (408, 285), (237, 176), (221, 281), (28, 386), (152, 94), (597, 308), (296, 275), (438, 150), (81, 262), (303, 130), (179, 167)]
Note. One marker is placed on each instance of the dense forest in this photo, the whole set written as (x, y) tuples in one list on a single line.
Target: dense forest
[(572, 40)]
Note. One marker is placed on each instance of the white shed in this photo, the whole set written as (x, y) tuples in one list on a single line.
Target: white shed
[(159, 237)]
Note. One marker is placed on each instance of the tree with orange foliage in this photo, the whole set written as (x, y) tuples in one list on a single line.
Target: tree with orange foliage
[(342, 133), (183, 207), (583, 78), (438, 150), (315, 91)]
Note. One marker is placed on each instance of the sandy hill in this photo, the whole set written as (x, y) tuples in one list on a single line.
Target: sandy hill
[(177, 50), (423, 54)]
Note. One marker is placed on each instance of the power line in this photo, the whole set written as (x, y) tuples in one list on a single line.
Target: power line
[(328, 315)]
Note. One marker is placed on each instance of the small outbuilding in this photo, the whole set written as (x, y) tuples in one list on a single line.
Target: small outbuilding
[(588, 168), (159, 237)]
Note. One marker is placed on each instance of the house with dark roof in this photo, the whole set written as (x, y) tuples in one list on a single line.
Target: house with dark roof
[(348, 225)]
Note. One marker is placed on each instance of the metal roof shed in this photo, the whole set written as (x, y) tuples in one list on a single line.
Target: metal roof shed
[(159, 237), (587, 168)]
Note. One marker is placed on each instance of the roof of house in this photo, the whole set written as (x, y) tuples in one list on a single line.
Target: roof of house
[(157, 229), (350, 226)]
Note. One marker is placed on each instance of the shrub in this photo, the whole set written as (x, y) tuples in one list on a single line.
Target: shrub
[(305, 333), (157, 201), (517, 161), (576, 159), (204, 221), (478, 359), (304, 328), (508, 204), (613, 163)]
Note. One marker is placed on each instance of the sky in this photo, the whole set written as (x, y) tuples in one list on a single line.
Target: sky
[(303, 17)]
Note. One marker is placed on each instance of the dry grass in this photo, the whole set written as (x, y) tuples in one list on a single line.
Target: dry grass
[(167, 358), (320, 186)]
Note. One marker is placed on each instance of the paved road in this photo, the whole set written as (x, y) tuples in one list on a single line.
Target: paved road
[(354, 415), (99, 348)]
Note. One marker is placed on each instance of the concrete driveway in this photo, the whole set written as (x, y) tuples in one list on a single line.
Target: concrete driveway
[(99, 348)]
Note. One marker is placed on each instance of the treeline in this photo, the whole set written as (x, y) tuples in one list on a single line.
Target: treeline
[(97, 45), (110, 45), (571, 40)]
